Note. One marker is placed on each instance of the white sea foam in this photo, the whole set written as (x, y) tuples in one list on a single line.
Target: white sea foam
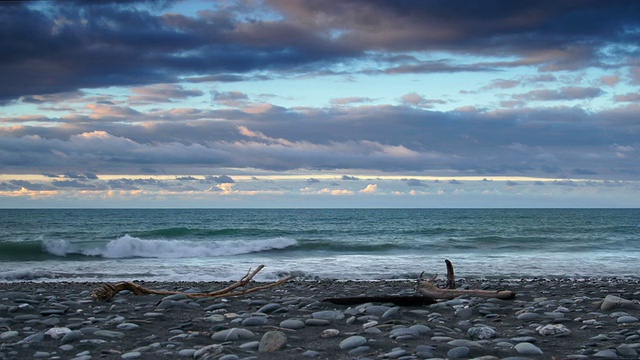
[(129, 246)]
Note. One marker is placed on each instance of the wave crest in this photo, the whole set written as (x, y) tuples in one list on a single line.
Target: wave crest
[(128, 246)]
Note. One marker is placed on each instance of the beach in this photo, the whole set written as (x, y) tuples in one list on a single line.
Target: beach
[(548, 318)]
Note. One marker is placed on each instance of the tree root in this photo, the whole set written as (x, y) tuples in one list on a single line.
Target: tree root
[(107, 291)]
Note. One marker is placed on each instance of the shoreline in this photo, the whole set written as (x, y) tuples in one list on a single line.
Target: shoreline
[(293, 318)]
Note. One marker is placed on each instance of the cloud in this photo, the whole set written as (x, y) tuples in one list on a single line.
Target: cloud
[(583, 172), (100, 111), (336, 192), (85, 45), (380, 138), (370, 189), (565, 93), (415, 182), (414, 99), (221, 179), (610, 80), (350, 100), (161, 93), (502, 84), (230, 98), (629, 97)]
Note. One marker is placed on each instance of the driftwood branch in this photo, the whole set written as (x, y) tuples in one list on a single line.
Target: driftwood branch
[(451, 279), (106, 292)]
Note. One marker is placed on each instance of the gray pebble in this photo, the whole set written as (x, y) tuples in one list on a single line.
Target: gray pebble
[(404, 333), (391, 313), (352, 342), (627, 319), (526, 348), (328, 315), (209, 351), (127, 326), (232, 334), (607, 354), (8, 335), (71, 336), (528, 316), (268, 308), (481, 333), (396, 353), (272, 341), (292, 324), (187, 352), (459, 352), (317, 322), (255, 321), (229, 357), (131, 355)]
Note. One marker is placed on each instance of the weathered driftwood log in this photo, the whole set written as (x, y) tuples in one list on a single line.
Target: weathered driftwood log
[(426, 288), (429, 293), (106, 292)]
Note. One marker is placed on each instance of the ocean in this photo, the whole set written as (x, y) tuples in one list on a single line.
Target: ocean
[(107, 245)]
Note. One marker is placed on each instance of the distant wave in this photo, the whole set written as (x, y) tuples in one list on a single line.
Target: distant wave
[(128, 247)]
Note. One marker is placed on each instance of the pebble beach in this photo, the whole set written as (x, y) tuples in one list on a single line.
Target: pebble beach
[(548, 319)]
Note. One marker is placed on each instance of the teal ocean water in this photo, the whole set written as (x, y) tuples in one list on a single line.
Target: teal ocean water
[(363, 244)]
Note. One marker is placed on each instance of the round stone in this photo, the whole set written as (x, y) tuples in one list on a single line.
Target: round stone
[(553, 329), (127, 326), (625, 319), (529, 316), (481, 333), (292, 324), (8, 334), (272, 341), (352, 342), (526, 348), (459, 352), (328, 315), (606, 354), (255, 321), (131, 355)]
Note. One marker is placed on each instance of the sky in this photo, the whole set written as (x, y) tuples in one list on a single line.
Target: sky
[(315, 103)]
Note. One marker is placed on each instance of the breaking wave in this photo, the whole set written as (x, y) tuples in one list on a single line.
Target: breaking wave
[(128, 247)]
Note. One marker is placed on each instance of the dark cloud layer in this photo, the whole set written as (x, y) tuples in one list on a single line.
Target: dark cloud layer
[(560, 142), (54, 47)]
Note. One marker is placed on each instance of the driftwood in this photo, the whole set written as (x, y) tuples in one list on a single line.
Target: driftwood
[(429, 293), (426, 288), (106, 292)]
